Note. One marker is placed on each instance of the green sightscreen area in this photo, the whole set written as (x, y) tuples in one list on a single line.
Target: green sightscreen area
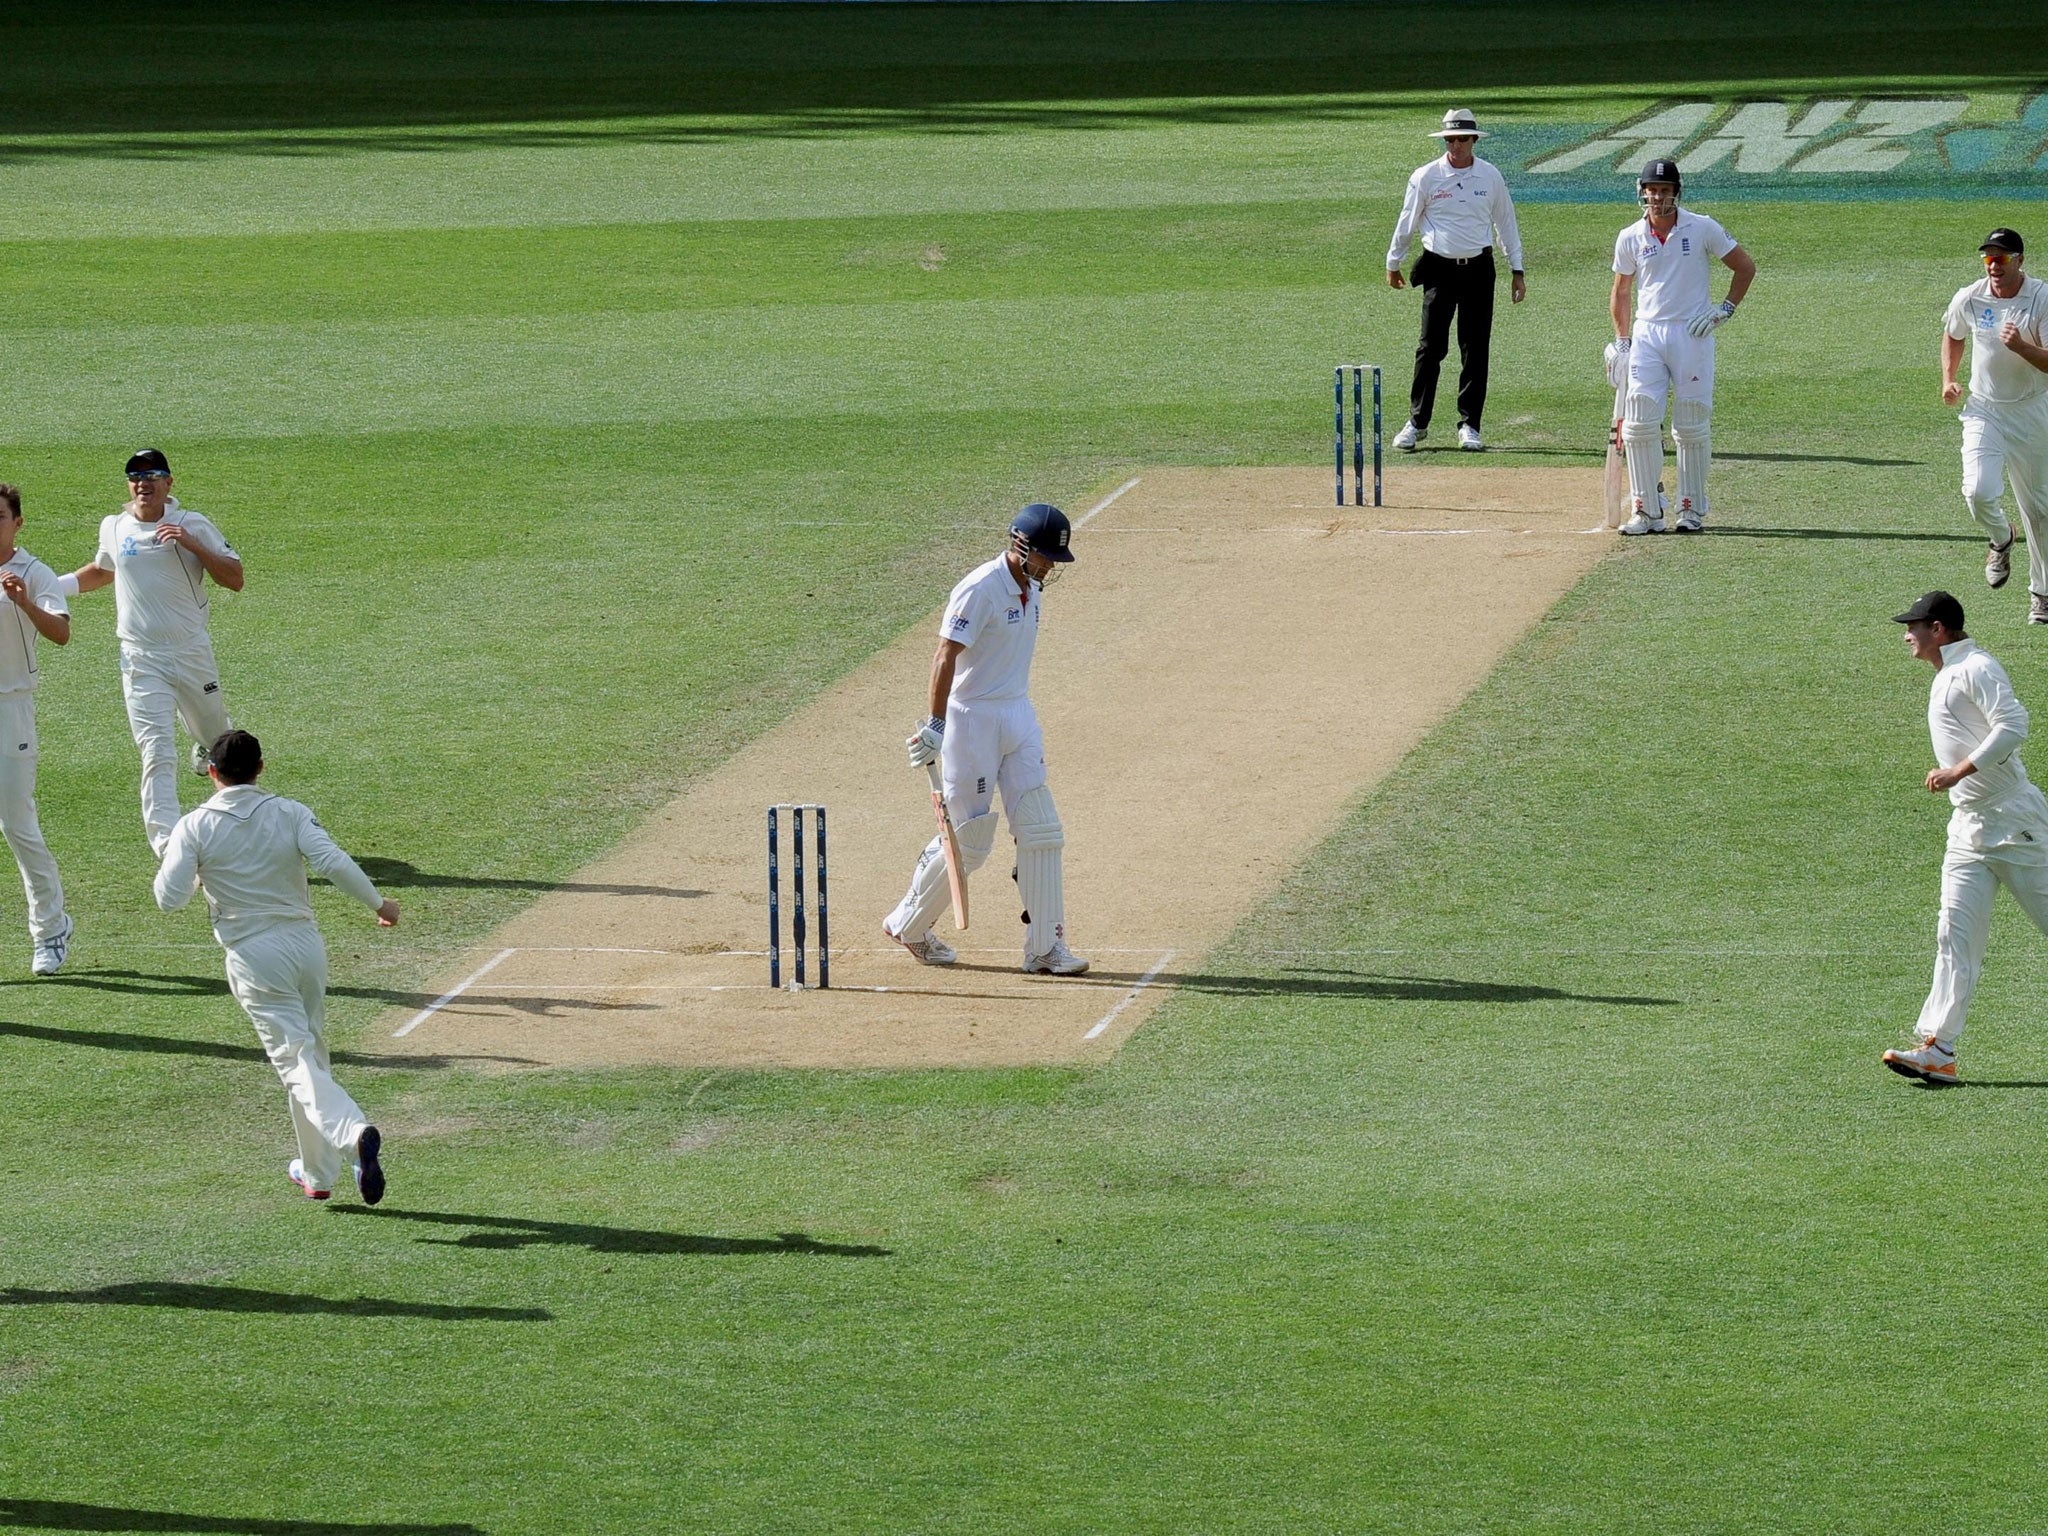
[(587, 387)]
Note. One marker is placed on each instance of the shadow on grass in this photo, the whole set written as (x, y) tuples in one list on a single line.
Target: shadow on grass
[(234, 1298), (63, 1515), (1369, 986), (518, 1232), (1821, 458), (154, 984), (396, 872), (1873, 535), (218, 1050), (1993, 1082)]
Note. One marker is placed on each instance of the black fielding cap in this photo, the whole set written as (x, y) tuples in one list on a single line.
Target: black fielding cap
[(1934, 608), (2004, 240), (147, 461)]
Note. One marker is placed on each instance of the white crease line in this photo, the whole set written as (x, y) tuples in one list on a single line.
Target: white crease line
[(1131, 996), (448, 997), (1103, 505)]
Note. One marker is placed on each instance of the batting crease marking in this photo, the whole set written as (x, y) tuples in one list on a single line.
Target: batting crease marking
[(449, 996), (1131, 996), (1103, 505)]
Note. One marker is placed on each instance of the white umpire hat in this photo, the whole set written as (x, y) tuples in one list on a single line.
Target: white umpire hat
[(1459, 122)]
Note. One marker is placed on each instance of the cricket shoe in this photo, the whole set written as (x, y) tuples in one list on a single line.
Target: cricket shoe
[(1409, 436), (1057, 961), (1998, 564), (1468, 439), (200, 760), (1642, 523), (1930, 1061), (296, 1172), (368, 1170), (51, 952), (2037, 610), (929, 950)]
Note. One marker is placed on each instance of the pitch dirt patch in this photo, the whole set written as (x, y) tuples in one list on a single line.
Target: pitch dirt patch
[(1218, 683)]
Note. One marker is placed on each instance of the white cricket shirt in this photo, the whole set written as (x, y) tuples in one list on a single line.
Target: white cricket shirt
[(1998, 374), (1458, 213), (248, 849), (18, 672), (159, 589), (1973, 713), (1674, 275), (999, 626)]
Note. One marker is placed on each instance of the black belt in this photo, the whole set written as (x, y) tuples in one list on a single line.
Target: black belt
[(1464, 261)]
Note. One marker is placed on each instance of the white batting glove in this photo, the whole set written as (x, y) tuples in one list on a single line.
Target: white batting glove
[(924, 743), (1703, 324), (1616, 358)]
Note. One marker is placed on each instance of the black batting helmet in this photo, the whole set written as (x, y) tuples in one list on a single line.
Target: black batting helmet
[(1662, 171), (1044, 529)]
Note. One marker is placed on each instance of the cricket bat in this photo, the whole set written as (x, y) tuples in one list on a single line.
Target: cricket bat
[(951, 843)]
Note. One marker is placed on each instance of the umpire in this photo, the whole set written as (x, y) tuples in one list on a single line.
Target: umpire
[(1459, 205)]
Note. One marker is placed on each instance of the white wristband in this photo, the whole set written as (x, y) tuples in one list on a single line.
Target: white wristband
[(68, 585)]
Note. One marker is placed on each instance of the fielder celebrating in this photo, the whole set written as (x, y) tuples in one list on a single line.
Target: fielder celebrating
[(983, 732), (248, 849), (1662, 259), (1997, 833), (2005, 425), (158, 555), (39, 613)]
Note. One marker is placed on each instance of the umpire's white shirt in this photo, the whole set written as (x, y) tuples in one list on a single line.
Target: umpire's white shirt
[(1997, 374), (1674, 275), (18, 672), (999, 626), (1973, 714), (1457, 212), (249, 849), (159, 589)]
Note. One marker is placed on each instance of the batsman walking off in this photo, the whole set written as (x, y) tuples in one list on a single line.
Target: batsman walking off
[(248, 850), (981, 729), (158, 556)]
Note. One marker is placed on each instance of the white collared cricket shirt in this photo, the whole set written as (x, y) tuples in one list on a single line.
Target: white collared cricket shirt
[(999, 626), (1673, 275)]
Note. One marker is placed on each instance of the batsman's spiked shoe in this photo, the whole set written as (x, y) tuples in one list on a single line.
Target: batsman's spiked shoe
[(1690, 521), (369, 1170), (1643, 523), (2037, 609), (1469, 439), (1409, 436), (929, 950), (1928, 1062), (296, 1172), (1998, 565), (51, 952), (1057, 961), (199, 759)]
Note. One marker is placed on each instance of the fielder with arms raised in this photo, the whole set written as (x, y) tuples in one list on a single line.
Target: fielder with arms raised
[(248, 850), (1663, 260), (158, 556), (982, 730)]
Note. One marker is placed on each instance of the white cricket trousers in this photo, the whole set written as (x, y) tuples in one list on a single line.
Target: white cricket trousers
[(18, 816), (1970, 878), (161, 687), (279, 976), (2009, 441)]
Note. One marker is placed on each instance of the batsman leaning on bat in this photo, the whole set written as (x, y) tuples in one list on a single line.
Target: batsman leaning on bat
[(981, 729)]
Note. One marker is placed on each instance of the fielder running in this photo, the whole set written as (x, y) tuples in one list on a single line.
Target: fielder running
[(983, 732), (158, 555), (39, 613), (2005, 425), (248, 850), (1997, 833), (1664, 259)]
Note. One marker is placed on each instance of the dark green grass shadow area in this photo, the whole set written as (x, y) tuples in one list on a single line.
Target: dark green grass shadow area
[(158, 984), (516, 1232), (1317, 981), (399, 873), (64, 1515), (180, 1296), (220, 1050), (1873, 535)]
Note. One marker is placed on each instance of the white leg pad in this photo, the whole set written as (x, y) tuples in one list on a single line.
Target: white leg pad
[(929, 889), (1642, 439), (1040, 840), (1692, 431)]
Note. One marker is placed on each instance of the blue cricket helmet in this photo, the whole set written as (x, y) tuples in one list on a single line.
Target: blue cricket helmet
[(1044, 528)]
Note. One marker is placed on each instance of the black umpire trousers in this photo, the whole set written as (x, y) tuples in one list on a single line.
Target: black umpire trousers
[(1463, 288)]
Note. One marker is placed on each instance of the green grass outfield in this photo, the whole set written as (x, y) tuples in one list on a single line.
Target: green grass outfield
[(587, 387)]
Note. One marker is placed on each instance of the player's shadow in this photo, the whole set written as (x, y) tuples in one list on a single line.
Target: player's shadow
[(496, 1232), (220, 1050), (64, 1515), (234, 1298), (402, 876), (164, 984), (1871, 535), (1367, 986), (1821, 458), (1993, 1082)]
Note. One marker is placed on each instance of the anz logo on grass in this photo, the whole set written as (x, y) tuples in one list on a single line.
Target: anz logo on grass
[(1962, 145)]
